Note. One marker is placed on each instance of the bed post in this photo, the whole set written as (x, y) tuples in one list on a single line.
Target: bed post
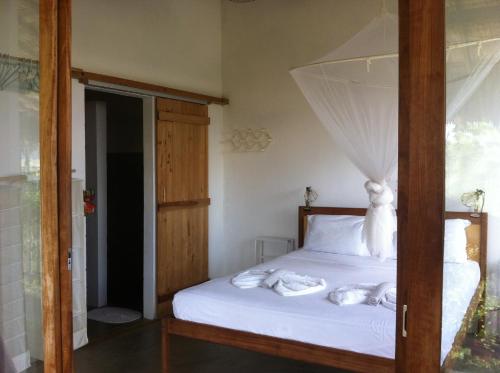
[(421, 202), (165, 348)]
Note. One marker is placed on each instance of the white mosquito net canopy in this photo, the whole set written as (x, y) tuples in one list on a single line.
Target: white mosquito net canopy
[(354, 92)]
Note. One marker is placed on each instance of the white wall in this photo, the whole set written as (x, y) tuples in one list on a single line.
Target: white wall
[(218, 257), (245, 52), (172, 42), (78, 130), (261, 41), (10, 130)]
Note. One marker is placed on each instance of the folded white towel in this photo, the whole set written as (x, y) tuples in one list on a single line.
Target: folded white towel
[(372, 294), (389, 300), (283, 282), (291, 284), (251, 279), (391, 295), (351, 294), (273, 278), (379, 292)]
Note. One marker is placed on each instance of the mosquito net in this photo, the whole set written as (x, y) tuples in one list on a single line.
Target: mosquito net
[(354, 92)]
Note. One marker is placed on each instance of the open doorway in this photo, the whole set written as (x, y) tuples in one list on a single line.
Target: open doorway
[(114, 167)]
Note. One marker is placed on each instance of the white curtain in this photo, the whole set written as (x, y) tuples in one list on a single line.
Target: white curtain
[(354, 92)]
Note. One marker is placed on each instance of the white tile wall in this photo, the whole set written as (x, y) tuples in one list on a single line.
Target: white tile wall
[(12, 311)]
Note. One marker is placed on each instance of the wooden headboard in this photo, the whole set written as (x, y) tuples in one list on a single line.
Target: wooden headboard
[(476, 232)]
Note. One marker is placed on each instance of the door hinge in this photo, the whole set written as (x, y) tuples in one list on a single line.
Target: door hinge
[(405, 311), (70, 261)]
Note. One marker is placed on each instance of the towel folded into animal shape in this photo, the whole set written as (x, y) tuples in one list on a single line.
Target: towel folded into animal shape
[(282, 281), (365, 293)]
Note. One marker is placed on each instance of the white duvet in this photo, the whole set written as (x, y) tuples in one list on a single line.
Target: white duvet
[(313, 318)]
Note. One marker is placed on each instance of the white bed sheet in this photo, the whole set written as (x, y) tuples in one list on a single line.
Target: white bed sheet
[(313, 318)]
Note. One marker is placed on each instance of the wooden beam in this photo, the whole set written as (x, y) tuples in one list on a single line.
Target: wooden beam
[(289, 349), (64, 178), (49, 187), (183, 118), (13, 179), (183, 204), (85, 76), (422, 112)]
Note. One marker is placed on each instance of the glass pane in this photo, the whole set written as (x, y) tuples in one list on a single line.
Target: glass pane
[(470, 317), (21, 343)]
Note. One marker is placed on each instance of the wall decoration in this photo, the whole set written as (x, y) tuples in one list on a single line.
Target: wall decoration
[(250, 140)]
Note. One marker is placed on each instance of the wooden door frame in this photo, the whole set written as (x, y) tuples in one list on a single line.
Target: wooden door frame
[(422, 116), (55, 182)]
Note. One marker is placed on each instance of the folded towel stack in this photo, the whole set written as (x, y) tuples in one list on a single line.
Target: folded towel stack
[(371, 294), (283, 282)]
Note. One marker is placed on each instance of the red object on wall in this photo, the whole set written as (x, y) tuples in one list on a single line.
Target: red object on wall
[(88, 202)]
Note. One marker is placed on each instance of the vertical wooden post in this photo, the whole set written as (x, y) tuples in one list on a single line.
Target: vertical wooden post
[(64, 178), (55, 183), (49, 187), (422, 112)]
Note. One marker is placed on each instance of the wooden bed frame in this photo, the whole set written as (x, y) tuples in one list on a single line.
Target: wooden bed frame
[(316, 354)]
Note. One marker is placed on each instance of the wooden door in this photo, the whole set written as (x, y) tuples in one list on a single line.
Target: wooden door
[(182, 197)]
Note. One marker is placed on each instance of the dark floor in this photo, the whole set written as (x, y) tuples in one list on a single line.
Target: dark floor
[(137, 348)]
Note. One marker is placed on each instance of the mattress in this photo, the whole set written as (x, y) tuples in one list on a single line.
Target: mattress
[(313, 318)]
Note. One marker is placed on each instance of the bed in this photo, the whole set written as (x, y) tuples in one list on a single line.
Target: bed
[(310, 328)]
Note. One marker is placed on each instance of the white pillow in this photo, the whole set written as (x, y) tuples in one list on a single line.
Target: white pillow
[(338, 234), (455, 240)]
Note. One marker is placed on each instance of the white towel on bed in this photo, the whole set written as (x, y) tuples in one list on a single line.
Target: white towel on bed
[(289, 284), (351, 294), (379, 292), (389, 300), (282, 281), (365, 293), (251, 279)]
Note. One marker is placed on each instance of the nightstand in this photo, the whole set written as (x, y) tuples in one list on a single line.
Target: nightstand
[(269, 247)]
